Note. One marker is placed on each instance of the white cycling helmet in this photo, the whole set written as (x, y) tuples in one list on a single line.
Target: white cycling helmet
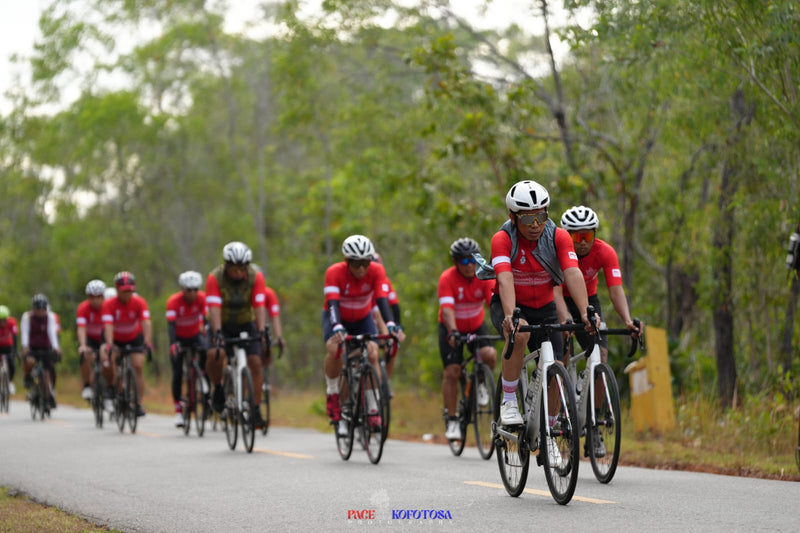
[(579, 218), (190, 280), (110, 292), (525, 195), (237, 253), (95, 287), (358, 247)]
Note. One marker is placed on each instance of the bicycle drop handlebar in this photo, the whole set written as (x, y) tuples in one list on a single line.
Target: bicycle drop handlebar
[(637, 341), (541, 327)]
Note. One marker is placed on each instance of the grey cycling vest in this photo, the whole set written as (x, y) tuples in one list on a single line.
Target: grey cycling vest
[(545, 252)]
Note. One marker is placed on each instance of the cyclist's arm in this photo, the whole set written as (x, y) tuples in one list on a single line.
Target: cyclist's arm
[(379, 323), (108, 333), (52, 331), (561, 305), (24, 328), (215, 318), (386, 312), (396, 313), (173, 338), (261, 317), (508, 298), (573, 279), (81, 337), (147, 332), (449, 319), (617, 294)]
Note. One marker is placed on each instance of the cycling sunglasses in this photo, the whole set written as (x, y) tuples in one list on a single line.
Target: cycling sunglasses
[(527, 220), (579, 236), (359, 263), (467, 261)]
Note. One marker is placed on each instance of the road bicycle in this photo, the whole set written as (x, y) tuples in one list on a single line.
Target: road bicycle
[(362, 398), (470, 409), (599, 415), (41, 388), (5, 392), (240, 406), (388, 351), (194, 391), (546, 395), (98, 388), (127, 393)]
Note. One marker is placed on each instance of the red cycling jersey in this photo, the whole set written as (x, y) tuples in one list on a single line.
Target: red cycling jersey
[(355, 296), (533, 286), (91, 319), (7, 332), (126, 318), (465, 296), (214, 295), (273, 305), (601, 256), (188, 317), (391, 294)]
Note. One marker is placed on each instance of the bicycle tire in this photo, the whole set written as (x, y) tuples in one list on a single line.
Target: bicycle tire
[(513, 458), (4, 391), (483, 415), (201, 403), (133, 399), (561, 478), (248, 413), (609, 426), (33, 400), (386, 394), (344, 443), (461, 414), (42, 396), (97, 399), (187, 400), (120, 404), (264, 405), (372, 435), (230, 420)]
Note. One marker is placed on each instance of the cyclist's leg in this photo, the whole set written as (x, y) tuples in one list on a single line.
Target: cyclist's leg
[(86, 368), (254, 364), (511, 367), (177, 380), (332, 366), (451, 361), (27, 366)]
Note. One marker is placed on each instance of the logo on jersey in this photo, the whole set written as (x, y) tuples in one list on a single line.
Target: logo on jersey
[(616, 273), (573, 255)]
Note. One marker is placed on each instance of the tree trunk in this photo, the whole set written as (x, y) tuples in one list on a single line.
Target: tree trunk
[(788, 324)]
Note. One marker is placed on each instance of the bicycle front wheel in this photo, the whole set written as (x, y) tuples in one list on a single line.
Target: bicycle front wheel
[(513, 452), (44, 407), (264, 407), (373, 409), (483, 410), (201, 403), (248, 414), (132, 397), (230, 419), (4, 394), (603, 439), (97, 399), (386, 394), (187, 400), (344, 442), (559, 451), (120, 404)]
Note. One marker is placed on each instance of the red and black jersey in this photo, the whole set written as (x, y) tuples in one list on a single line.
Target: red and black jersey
[(187, 317), (601, 256), (91, 319), (533, 285), (466, 296), (355, 295), (8, 331), (126, 318)]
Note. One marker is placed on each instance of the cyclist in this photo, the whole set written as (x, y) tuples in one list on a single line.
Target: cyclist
[(544, 257), (186, 317), (394, 304), (273, 306), (236, 303), (89, 322), (38, 331), (8, 343), (126, 321), (461, 300), (351, 286), (594, 255)]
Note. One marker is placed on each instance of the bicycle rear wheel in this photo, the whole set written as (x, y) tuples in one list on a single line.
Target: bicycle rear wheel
[(344, 443), (483, 414), (462, 412), (121, 404), (248, 414), (513, 454), (562, 475), (44, 408), (604, 454), (386, 393), (372, 413), (132, 397), (201, 403), (230, 419)]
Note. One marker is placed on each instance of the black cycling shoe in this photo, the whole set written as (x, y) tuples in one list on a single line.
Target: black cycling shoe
[(218, 400), (27, 382), (258, 421), (139, 410)]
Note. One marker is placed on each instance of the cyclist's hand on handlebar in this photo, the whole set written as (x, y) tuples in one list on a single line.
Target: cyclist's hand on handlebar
[(634, 326), (174, 349), (148, 347), (219, 339), (452, 336), (340, 332)]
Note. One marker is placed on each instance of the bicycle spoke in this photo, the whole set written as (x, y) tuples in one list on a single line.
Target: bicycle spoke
[(560, 441)]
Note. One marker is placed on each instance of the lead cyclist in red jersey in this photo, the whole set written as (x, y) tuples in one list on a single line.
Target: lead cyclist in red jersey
[(126, 321), (9, 334), (350, 288), (89, 322)]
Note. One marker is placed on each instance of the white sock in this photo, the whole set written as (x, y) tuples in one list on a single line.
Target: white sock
[(331, 385), (510, 390), (372, 401)]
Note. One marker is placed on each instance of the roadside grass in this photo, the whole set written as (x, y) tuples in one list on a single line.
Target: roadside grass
[(21, 515)]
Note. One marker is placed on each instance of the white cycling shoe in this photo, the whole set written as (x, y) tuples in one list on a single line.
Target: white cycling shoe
[(510, 415), (453, 431)]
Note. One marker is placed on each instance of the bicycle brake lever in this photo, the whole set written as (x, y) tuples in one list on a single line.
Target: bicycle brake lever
[(512, 337)]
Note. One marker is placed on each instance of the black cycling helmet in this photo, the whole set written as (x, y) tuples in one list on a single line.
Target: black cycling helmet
[(125, 281), (464, 247), (39, 301)]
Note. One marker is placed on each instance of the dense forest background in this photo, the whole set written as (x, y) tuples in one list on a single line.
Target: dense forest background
[(677, 121)]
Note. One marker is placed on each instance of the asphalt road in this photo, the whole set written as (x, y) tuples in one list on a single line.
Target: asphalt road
[(160, 480)]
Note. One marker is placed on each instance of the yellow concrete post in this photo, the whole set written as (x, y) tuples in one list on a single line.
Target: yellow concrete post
[(651, 388)]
